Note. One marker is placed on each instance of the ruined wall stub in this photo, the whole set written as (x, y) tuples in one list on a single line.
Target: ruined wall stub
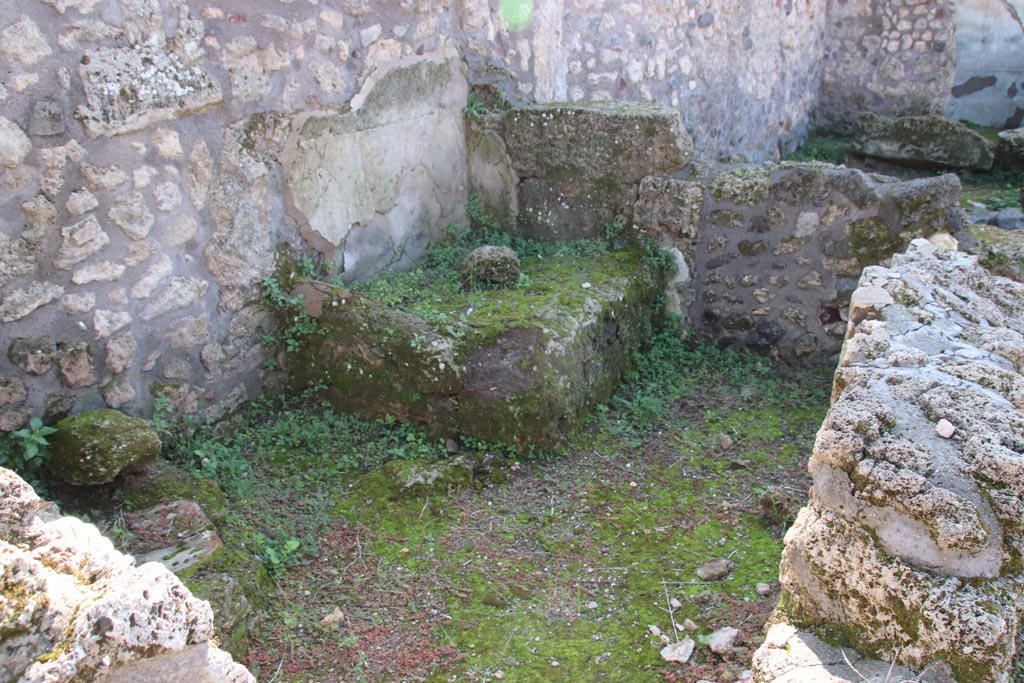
[(910, 546), (769, 254)]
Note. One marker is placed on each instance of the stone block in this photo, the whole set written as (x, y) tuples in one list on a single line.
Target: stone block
[(94, 447), (131, 88), (911, 547), (580, 164), (929, 141), (523, 368)]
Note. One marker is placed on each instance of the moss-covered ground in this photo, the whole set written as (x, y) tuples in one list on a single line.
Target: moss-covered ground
[(552, 567)]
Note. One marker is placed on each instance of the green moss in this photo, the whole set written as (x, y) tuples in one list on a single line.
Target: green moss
[(430, 367), (746, 185)]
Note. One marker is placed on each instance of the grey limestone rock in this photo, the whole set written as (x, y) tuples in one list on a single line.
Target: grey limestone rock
[(930, 140)]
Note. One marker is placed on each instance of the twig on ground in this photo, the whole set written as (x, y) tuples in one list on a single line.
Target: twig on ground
[(671, 615)]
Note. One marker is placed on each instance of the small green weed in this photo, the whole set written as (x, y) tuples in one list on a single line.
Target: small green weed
[(475, 106), (277, 555), (30, 449)]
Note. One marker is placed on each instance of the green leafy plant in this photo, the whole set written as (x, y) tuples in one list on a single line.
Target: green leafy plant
[(475, 106), (277, 555), (296, 323), (34, 451)]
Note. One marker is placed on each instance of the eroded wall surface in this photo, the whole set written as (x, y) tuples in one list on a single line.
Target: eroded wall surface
[(989, 85), (744, 75), (768, 255)]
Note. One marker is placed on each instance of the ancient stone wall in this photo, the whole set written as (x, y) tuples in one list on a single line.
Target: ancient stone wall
[(75, 609), (769, 254), (910, 548), (894, 57), (153, 156), (744, 75)]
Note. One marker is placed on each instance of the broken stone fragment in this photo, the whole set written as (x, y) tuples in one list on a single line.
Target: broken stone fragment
[(722, 641), (678, 652), (178, 535), (931, 141), (715, 570), (492, 265)]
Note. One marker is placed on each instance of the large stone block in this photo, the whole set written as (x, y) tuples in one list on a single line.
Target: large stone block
[(912, 547), (580, 164), (929, 141), (94, 447), (128, 89), (523, 366)]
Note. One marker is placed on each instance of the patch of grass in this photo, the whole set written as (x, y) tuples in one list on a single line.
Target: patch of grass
[(995, 189), (828, 148)]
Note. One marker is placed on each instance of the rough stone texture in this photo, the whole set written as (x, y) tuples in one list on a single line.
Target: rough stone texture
[(375, 185), (681, 54), (892, 58), (178, 535), (128, 89), (929, 141), (773, 250), (911, 545), (492, 180), (579, 165), (153, 129), (94, 447), (525, 372), (1001, 251), (82, 609)]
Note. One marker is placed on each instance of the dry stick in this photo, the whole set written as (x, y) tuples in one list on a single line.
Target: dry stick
[(888, 674), (278, 672), (671, 615)]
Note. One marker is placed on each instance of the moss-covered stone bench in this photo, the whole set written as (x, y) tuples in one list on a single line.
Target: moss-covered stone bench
[(520, 366)]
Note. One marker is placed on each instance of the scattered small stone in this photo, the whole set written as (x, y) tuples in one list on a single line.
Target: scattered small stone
[(602, 658), (654, 630), (555, 663), (333, 619), (723, 640), (591, 605), (675, 604), (764, 589), (725, 442), (678, 652), (944, 428), (715, 570), (689, 625)]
